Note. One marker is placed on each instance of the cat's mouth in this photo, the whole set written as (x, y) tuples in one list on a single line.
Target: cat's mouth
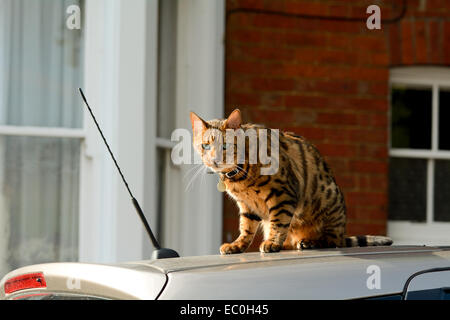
[(225, 170)]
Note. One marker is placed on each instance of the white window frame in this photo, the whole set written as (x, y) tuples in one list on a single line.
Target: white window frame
[(121, 37), (429, 232), (194, 216), (115, 84)]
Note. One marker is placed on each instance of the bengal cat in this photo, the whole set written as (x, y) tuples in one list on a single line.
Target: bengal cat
[(300, 206)]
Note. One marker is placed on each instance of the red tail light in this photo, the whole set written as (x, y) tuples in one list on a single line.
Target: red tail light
[(25, 281)]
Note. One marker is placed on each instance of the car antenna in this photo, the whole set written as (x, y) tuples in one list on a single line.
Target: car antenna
[(158, 253)]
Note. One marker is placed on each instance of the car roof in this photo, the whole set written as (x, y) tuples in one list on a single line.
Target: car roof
[(341, 273), (257, 258)]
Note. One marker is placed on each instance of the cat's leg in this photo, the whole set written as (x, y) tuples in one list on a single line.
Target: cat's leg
[(335, 235), (248, 225), (314, 244), (331, 238), (281, 211)]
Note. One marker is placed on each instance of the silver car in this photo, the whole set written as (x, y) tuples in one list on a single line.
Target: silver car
[(408, 272)]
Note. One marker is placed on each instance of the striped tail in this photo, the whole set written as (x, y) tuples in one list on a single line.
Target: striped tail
[(367, 241)]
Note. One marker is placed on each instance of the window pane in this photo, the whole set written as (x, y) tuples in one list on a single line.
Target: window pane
[(38, 200), (40, 63), (442, 190), (411, 118), (161, 187), (444, 116), (167, 56), (407, 189)]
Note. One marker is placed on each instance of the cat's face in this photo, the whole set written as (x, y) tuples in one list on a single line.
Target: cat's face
[(209, 141)]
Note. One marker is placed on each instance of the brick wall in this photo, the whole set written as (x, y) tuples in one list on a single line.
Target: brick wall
[(328, 81)]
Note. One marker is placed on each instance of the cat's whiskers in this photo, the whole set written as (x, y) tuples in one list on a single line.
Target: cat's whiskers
[(204, 172), (190, 170), (199, 168)]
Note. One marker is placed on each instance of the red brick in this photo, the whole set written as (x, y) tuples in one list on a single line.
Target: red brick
[(339, 41), (336, 72), (304, 101), (369, 227), (329, 81), (270, 99), (338, 165), (371, 151), (373, 120), (305, 39), (369, 135), (337, 150), (273, 84), (379, 89), (367, 198), (378, 182), (367, 213), (241, 84), (407, 42), (363, 183), (359, 73), (251, 4), (271, 118), (395, 44), (339, 10), (237, 66), (240, 99), (306, 7), (369, 43), (245, 36), (269, 53), (231, 224), (358, 11), (421, 43), (315, 134), (435, 42), (351, 27), (337, 87), (369, 166), (346, 181), (337, 135), (337, 119), (380, 59), (272, 21), (446, 48)]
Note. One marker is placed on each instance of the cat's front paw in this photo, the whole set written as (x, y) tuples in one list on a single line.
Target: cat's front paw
[(269, 246), (234, 247)]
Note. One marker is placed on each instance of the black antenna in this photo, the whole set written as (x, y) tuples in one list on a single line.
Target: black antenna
[(159, 253)]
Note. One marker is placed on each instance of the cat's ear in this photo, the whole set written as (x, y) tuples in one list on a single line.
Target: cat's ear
[(234, 121), (198, 124)]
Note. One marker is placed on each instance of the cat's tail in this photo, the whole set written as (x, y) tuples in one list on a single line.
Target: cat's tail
[(367, 241)]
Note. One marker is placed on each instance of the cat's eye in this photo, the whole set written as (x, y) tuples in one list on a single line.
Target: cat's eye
[(206, 146)]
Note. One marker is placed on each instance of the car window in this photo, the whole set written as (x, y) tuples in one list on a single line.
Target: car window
[(431, 294), (431, 284)]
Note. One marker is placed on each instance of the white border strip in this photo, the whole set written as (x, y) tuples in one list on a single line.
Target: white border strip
[(164, 143), (56, 132), (419, 153)]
